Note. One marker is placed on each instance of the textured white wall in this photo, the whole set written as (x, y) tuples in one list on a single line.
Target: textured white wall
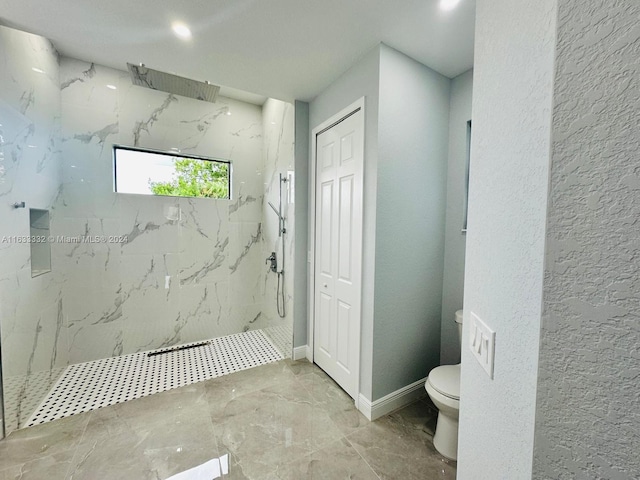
[(588, 413), (455, 240), (512, 95), (413, 126)]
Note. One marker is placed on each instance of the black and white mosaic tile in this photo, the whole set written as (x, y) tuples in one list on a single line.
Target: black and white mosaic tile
[(92, 385), (23, 394)]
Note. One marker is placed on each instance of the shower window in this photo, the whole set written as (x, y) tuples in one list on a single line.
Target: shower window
[(150, 172)]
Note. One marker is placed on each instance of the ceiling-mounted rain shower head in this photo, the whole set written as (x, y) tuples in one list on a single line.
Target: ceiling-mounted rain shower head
[(167, 82)]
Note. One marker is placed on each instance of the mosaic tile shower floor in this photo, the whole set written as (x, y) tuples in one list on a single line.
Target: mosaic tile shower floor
[(92, 385)]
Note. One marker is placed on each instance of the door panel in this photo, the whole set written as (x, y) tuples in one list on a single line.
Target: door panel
[(326, 226), (338, 251), (345, 229)]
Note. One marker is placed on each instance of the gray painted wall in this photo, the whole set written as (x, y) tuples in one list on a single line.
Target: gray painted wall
[(588, 416), (413, 125), (360, 80), (512, 95), (406, 135), (455, 240), (301, 208)]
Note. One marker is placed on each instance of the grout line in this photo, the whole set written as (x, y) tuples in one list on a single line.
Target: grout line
[(360, 455)]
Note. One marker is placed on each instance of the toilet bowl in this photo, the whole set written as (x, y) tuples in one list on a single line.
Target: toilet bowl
[(443, 387)]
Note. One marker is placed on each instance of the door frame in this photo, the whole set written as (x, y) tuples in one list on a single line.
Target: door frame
[(358, 105)]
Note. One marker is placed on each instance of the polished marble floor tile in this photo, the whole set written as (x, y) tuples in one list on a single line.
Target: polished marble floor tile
[(281, 421), (400, 445), (336, 461)]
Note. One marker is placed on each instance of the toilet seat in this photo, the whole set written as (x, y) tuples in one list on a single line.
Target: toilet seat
[(446, 380)]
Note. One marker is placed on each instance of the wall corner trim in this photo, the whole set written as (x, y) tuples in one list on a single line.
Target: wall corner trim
[(393, 401)]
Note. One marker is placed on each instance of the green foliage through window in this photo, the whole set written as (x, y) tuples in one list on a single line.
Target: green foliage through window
[(159, 173), (195, 178)]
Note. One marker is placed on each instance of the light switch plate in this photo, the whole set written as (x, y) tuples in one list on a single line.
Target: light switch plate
[(482, 341)]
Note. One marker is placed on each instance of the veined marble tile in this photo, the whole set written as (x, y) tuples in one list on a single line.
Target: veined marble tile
[(51, 466), (94, 341), (154, 318), (147, 270), (144, 438), (245, 317), (246, 263), (204, 241), (33, 337), (246, 204), (87, 129), (150, 224), (278, 160), (86, 305), (338, 460), (399, 446), (207, 308), (36, 443), (263, 427), (85, 85), (36, 347), (31, 332)]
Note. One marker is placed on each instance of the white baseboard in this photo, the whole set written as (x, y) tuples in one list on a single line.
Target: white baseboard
[(300, 352), (391, 402)]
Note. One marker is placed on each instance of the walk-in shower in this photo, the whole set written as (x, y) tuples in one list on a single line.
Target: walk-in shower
[(273, 259), (182, 272)]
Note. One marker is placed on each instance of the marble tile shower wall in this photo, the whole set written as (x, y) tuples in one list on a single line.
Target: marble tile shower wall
[(278, 155), (191, 268), (34, 344)]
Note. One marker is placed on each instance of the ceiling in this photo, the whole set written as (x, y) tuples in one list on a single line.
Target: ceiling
[(285, 49)]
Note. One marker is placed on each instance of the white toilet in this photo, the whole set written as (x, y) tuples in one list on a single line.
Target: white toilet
[(443, 386)]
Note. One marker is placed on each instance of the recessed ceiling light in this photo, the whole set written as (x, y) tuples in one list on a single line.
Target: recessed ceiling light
[(228, 113), (112, 87), (448, 4), (37, 70), (181, 30)]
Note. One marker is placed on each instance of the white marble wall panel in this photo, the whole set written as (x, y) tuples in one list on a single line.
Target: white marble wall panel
[(204, 241), (246, 266), (278, 154), (34, 342), (170, 282)]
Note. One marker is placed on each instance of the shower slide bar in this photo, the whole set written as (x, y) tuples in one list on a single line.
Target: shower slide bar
[(281, 228)]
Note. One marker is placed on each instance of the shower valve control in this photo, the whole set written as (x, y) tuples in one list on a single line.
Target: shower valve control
[(274, 262)]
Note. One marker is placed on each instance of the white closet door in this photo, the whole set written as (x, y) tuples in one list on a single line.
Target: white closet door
[(338, 250)]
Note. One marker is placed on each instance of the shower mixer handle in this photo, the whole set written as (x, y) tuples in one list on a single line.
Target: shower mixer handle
[(274, 262)]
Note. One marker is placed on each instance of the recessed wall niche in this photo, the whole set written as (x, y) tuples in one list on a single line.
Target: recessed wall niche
[(39, 241)]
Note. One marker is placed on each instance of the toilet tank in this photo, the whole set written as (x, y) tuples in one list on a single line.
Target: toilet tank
[(459, 325)]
